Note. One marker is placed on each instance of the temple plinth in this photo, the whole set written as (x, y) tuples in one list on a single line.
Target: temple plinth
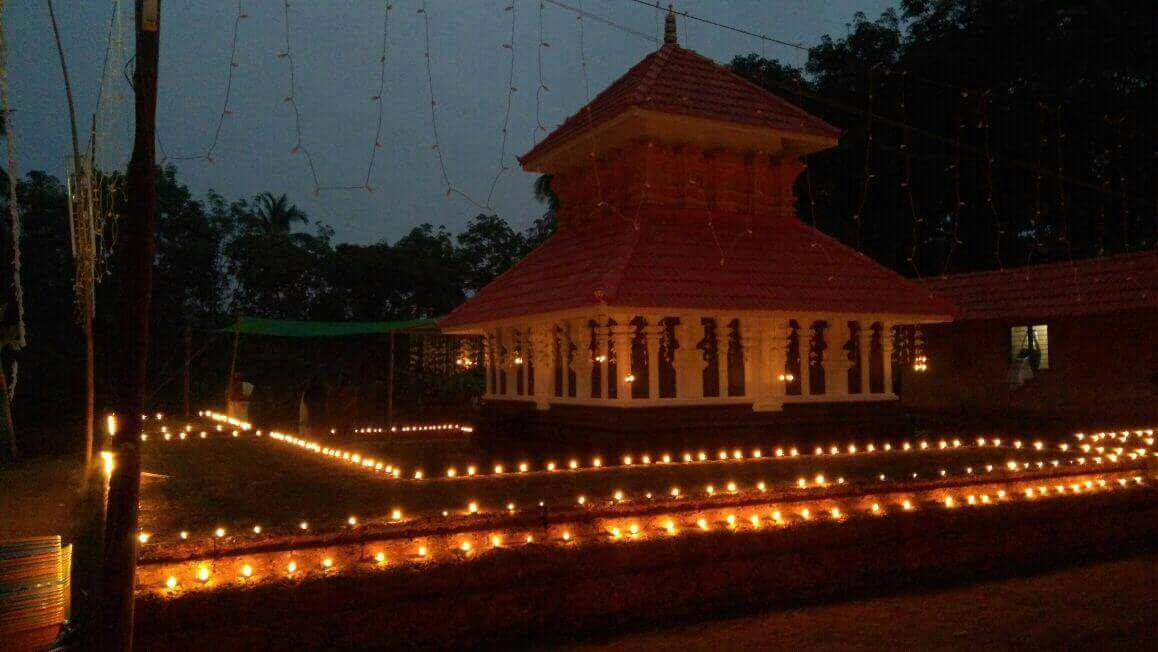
[(681, 290)]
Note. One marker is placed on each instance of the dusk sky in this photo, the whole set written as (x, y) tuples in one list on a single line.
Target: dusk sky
[(336, 48)]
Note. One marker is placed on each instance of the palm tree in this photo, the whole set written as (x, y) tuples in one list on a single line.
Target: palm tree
[(544, 226), (274, 215), (545, 194)]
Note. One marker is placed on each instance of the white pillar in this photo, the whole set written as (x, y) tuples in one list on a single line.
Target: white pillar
[(824, 358), (544, 371), (621, 335), (804, 334), (488, 365), (776, 346), (602, 332), (864, 345), (836, 375), (567, 340), (887, 357), (652, 333), (753, 355), (722, 354), (500, 363), (689, 361), (581, 363)]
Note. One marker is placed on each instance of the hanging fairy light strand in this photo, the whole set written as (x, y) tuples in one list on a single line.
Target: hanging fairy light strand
[(907, 181), (815, 243), (990, 193), (587, 106), (207, 156), (1063, 210), (451, 189), (1038, 173), (377, 144), (1063, 207), (858, 216), (510, 45), (292, 99), (540, 128), (955, 167)]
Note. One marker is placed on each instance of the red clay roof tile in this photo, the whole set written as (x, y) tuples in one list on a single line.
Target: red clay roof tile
[(680, 260), (675, 80), (1107, 284)]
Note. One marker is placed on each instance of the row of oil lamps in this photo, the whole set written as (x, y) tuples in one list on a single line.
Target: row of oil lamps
[(375, 465), (817, 481), (208, 573)]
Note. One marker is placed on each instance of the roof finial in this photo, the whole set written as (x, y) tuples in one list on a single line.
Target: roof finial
[(669, 27)]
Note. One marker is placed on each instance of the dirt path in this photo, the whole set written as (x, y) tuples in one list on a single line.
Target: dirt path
[(1104, 606)]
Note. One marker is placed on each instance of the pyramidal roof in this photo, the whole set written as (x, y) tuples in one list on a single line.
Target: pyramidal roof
[(679, 259), (678, 81)]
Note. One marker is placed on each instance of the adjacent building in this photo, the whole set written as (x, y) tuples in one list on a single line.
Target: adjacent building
[(1069, 343)]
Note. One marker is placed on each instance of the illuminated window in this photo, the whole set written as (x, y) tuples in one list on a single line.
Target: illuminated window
[(1032, 342)]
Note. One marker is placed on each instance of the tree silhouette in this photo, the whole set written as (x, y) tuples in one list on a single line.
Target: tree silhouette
[(274, 215)]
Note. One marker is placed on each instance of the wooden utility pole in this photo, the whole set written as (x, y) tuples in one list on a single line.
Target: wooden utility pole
[(390, 387), (188, 363), (135, 267)]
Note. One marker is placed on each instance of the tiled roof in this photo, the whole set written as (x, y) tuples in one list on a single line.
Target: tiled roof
[(680, 260), (675, 80), (1107, 284)]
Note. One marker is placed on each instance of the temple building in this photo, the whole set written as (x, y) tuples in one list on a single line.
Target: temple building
[(681, 291)]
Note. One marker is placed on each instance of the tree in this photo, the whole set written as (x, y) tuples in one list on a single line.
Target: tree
[(545, 224), (489, 247), (274, 215), (51, 364), (1028, 137), (431, 271)]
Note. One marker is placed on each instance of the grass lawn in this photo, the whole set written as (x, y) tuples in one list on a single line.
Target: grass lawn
[(198, 485)]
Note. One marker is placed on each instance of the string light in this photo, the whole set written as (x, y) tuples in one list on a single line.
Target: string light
[(512, 9), (450, 187), (857, 217), (207, 156)]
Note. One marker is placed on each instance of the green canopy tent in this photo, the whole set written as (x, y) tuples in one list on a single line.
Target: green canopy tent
[(297, 328)]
